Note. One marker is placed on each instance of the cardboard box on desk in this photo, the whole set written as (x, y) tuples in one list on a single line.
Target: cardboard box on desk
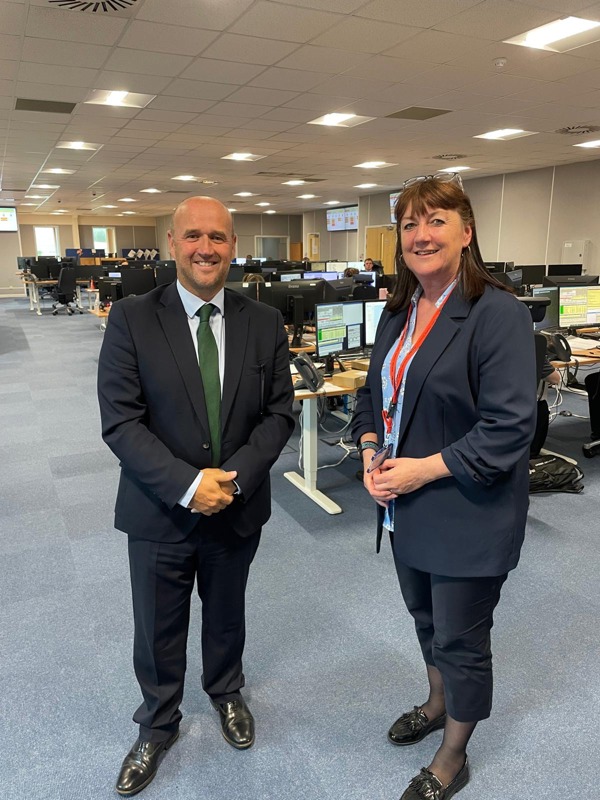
[(350, 379), (360, 363)]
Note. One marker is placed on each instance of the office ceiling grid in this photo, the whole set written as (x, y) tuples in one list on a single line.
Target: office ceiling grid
[(248, 75)]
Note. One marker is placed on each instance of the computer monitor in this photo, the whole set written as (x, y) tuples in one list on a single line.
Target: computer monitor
[(339, 290), (365, 277), (318, 266), (373, 311), (387, 282), (249, 289), (578, 306), (236, 274), (339, 327), (40, 269), (24, 261), (565, 269), (68, 261), (165, 274), (335, 266), (359, 265), (495, 266), (169, 262), (294, 276), (533, 273), (137, 281), (84, 273), (550, 321), (570, 280), (514, 278), (284, 295)]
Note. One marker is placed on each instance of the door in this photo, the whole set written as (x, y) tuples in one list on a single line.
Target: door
[(314, 247), (381, 246)]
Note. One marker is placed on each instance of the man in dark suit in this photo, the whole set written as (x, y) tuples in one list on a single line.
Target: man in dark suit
[(195, 398)]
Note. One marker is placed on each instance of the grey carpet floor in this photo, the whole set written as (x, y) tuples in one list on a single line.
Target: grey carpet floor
[(331, 657)]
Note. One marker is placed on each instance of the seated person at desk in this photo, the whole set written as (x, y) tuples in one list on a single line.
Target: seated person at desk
[(350, 272)]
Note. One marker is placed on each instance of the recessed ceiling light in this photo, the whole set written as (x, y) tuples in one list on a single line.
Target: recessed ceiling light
[(127, 200), (263, 204), (44, 186), (37, 196), (29, 204), (243, 157), (294, 183), (129, 212), (59, 171), (152, 191), (245, 194), (107, 206), (375, 164), (454, 169), (306, 196), (366, 186), (231, 210), (61, 211), (184, 178), (270, 211), (128, 99), (78, 146), (340, 120), (504, 134), (560, 36), (331, 203), (595, 143)]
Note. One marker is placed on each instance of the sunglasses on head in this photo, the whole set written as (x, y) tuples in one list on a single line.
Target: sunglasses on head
[(442, 177)]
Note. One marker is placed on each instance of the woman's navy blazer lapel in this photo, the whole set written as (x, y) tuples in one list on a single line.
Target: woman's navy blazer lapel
[(440, 336)]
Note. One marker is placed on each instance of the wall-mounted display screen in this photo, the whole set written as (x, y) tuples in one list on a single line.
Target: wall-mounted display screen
[(342, 219), (8, 220)]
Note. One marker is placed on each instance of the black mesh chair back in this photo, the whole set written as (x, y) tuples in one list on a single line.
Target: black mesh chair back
[(364, 292), (137, 281)]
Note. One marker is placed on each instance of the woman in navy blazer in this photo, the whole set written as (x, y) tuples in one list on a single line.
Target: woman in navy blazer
[(444, 425)]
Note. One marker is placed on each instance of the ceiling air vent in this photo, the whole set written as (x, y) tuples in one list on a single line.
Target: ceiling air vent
[(44, 106), (450, 156), (418, 113), (578, 130), (102, 7)]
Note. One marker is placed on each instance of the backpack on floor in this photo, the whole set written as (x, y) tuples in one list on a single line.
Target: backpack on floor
[(554, 474)]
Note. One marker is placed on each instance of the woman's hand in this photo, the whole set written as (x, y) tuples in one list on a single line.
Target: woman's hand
[(382, 498), (403, 475)]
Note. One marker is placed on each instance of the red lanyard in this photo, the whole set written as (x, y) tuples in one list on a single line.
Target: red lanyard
[(397, 373)]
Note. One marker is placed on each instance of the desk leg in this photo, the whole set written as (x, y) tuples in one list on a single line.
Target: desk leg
[(34, 299), (78, 297), (308, 483)]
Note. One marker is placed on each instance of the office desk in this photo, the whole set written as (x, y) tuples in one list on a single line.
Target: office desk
[(307, 483), (32, 287)]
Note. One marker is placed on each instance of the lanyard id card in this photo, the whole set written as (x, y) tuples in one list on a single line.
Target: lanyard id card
[(379, 457)]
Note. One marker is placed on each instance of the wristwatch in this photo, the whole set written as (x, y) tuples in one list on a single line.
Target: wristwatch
[(368, 445)]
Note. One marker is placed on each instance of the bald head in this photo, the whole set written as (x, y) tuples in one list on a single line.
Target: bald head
[(200, 202), (202, 242)]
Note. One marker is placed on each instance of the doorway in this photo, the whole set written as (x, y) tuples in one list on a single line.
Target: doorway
[(272, 247), (381, 246)]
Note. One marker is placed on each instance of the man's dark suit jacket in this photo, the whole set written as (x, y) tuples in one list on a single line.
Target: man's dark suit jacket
[(154, 417), (471, 395)]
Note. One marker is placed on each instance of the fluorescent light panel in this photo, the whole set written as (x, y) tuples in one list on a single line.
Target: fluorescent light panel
[(78, 146), (243, 157), (375, 164), (151, 190), (560, 36), (595, 143), (504, 134), (340, 120), (59, 171), (103, 97)]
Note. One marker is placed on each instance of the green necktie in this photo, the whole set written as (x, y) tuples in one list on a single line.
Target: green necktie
[(208, 359)]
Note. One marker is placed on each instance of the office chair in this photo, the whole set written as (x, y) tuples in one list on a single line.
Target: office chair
[(137, 281), (64, 292)]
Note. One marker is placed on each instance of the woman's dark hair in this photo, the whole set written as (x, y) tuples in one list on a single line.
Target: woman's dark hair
[(472, 273)]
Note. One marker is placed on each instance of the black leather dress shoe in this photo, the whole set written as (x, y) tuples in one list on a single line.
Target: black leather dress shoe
[(237, 723), (425, 786), (413, 726), (141, 764)]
